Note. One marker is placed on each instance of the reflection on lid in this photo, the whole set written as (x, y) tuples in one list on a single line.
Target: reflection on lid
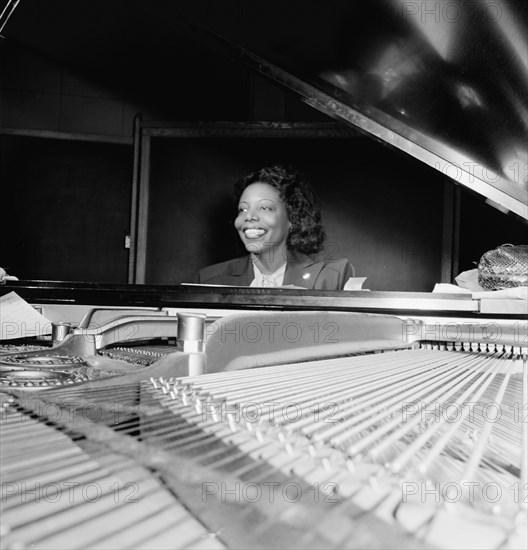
[(446, 82)]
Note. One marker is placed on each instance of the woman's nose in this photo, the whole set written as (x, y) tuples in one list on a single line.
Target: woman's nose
[(251, 214)]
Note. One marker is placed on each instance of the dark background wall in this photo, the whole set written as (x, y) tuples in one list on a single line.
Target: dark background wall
[(65, 209), (66, 158)]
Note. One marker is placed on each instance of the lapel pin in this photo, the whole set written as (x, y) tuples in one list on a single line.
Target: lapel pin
[(306, 276)]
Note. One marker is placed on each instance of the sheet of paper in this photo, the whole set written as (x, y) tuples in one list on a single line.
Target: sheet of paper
[(240, 286), (446, 288), (355, 283), (220, 286), (19, 320), (516, 293)]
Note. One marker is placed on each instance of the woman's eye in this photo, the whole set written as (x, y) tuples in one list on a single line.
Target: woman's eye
[(242, 209)]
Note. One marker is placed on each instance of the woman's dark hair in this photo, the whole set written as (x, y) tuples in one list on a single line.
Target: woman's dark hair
[(307, 233)]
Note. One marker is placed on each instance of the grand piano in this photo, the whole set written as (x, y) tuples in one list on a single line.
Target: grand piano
[(184, 416)]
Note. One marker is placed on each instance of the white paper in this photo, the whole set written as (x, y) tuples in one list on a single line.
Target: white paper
[(241, 286), (19, 320), (355, 283), (469, 280), (446, 288), (516, 293), (202, 284)]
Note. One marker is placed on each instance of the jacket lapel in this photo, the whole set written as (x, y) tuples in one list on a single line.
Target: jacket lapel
[(301, 270), (240, 272)]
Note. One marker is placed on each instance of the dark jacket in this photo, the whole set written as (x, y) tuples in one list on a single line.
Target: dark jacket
[(301, 270)]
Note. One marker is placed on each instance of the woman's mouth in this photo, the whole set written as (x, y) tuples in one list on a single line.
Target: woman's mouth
[(254, 233)]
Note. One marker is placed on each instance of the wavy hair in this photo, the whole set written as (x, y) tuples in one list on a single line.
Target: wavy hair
[(307, 234)]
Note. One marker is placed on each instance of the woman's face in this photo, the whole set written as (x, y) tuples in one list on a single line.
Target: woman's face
[(262, 220)]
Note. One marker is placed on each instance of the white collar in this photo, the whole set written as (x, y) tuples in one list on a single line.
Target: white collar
[(275, 279)]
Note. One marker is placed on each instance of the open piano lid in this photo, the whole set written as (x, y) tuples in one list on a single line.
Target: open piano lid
[(446, 82)]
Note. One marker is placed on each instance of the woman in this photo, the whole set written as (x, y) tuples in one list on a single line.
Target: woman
[(279, 223)]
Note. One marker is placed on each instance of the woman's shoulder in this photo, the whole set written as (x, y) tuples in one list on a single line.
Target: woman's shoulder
[(322, 259), (232, 266), (325, 272), (342, 265), (335, 261)]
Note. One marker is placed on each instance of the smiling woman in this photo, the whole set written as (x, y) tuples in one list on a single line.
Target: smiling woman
[(279, 223)]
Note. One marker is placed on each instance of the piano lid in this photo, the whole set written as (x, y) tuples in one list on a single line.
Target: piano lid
[(444, 81)]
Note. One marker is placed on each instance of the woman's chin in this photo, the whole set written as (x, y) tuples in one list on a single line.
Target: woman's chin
[(254, 248)]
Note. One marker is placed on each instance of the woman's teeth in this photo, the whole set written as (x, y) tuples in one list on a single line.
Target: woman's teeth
[(253, 233)]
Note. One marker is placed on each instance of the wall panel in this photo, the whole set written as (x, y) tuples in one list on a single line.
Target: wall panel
[(65, 209)]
